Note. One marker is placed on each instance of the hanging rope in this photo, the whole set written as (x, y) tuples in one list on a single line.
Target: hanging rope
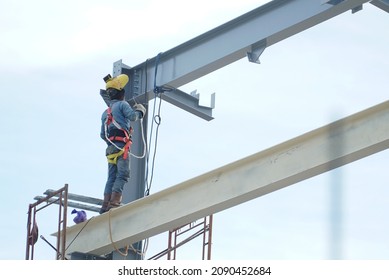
[(110, 237)]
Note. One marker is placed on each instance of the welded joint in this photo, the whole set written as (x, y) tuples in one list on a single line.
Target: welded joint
[(256, 51), (357, 9), (195, 94)]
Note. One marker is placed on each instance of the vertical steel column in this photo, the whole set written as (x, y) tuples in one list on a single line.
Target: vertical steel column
[(138, 90), (135, 188)]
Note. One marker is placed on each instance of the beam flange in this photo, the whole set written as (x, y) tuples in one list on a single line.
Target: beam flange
[(303, 157)]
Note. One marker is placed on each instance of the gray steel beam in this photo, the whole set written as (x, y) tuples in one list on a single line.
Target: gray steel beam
[(189, 103), (247, 35), (382, 4), (71, 204), (362, 134), (77, 197)]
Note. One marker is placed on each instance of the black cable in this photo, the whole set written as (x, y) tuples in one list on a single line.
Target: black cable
[(146, 92), (78, 233), (156, 88), (157, 119), (147, 191), (148, 156)]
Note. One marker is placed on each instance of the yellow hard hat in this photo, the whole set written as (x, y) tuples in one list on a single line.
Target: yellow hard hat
[(118, 82)]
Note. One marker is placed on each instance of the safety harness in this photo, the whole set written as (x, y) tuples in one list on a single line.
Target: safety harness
[(118, 135)]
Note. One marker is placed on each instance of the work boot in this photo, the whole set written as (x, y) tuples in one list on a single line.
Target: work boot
[(116, 200), (107, 198)]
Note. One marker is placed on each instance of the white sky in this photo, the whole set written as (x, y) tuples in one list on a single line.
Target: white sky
[(54, 54)]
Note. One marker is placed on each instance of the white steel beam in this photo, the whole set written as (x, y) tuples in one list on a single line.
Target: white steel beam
[(308, 155)]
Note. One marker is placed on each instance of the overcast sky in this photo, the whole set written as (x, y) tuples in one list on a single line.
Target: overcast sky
[(54, 55)]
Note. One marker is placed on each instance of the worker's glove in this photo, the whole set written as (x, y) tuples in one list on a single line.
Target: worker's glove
[(140, 108)]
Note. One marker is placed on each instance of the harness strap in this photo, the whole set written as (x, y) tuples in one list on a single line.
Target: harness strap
[(127, 147), (113, 158), (119, 138), (126, 139)]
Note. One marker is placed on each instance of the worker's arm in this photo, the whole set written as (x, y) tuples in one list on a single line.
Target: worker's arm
[(135, 113), (140, 109), (102, 130)]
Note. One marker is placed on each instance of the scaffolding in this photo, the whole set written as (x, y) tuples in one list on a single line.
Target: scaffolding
[(63, 199), (32, 227), (204, 228), (176, 237)]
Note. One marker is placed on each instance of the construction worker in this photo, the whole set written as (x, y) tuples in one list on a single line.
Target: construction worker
[(116, 132)]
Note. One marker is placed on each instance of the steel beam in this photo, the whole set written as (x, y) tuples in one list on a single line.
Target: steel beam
[(71, 204), (190, 103), (77, 197), (247, 35), (382, 4), (308, 155)]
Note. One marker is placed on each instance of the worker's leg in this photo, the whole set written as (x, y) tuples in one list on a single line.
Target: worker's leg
[(112, 170), (122, 177), (104, 206)]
